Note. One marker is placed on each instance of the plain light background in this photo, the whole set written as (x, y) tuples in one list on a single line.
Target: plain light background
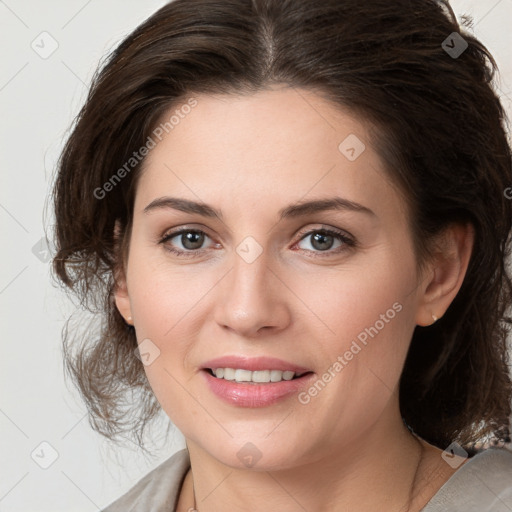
[(39, 98)]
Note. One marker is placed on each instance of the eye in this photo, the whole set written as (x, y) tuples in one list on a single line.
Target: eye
[(186, 241), (325, 240)]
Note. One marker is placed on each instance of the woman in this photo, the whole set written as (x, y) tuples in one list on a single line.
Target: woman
[(292, 218)]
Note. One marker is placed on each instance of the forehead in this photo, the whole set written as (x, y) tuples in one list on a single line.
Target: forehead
[(282, 144)]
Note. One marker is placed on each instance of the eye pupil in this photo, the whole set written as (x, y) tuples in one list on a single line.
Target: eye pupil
[(322, 241), (192, 240)]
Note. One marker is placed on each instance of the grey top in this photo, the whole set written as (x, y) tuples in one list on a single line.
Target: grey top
[(482, 484)]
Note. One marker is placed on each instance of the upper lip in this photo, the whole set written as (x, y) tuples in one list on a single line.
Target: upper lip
[(253, 364)]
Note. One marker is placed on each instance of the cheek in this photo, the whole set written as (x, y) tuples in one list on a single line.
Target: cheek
[(166, 330), (369, 310), (166, 321), (363, 300)]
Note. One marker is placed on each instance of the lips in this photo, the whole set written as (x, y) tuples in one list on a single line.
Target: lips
[(253, 364)]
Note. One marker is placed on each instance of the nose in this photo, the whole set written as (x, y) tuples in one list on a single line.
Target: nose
[(252, 300)]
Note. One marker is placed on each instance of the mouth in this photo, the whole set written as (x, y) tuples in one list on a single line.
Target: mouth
[(260, 381), (255, 382)]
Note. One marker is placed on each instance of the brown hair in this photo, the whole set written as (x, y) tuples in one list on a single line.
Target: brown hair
[(439, 126)]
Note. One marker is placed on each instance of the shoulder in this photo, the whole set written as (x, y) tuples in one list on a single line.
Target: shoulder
[(156, 491), (482, 484)]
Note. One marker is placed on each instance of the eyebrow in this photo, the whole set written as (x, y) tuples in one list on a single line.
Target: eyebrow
[(294, 210)]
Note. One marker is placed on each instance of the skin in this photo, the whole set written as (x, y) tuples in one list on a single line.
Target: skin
[(250, 156)]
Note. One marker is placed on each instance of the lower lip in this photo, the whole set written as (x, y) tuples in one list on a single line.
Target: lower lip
[(253, 394)]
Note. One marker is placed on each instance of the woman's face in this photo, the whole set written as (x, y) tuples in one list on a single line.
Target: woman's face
[(295, 246)]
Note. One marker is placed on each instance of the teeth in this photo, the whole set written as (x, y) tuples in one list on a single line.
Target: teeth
[(243, 375), (259, 376), (229, 373)]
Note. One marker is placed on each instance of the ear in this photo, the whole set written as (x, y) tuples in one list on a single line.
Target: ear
[(448, 268), (121, 296)]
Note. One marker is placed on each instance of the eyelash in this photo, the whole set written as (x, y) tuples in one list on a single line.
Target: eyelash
[(347, 242)]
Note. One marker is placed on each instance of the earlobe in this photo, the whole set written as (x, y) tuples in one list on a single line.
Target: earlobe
[(122, 300), (449, 266)]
